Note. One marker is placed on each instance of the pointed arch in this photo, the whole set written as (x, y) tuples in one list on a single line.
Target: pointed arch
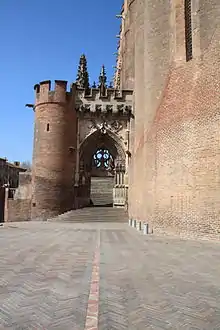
[(96, 139)]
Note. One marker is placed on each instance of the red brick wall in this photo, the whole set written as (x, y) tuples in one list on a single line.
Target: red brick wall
[(174, 181), (54, 153)]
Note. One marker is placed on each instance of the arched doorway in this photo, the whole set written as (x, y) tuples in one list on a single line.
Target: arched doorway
[(102, 157), (102, 177)]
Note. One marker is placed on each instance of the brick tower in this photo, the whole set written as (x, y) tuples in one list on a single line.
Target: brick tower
[(54, 149)]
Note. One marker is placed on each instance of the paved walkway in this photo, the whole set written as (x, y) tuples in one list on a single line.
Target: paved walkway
[(106, 277)]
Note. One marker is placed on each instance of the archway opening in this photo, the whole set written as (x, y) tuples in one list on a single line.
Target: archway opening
[(102, 177), (99, 154)]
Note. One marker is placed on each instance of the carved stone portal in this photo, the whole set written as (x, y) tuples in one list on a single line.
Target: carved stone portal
[(103, 139)]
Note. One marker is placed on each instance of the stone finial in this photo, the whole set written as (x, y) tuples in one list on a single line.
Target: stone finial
[(102, 81), (82, 79)]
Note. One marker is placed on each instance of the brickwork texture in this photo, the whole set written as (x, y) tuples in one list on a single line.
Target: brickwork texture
[(54, 154), (174, 172)]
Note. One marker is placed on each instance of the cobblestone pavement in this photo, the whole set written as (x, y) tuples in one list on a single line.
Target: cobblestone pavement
[(105, 276)]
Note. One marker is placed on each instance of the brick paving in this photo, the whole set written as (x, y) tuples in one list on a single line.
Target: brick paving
[(51, 275)]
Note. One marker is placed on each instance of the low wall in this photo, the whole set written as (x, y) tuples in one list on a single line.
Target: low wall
[(18, 210), (19, 207)]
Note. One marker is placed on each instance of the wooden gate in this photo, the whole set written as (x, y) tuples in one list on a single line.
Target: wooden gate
[(2, 204)]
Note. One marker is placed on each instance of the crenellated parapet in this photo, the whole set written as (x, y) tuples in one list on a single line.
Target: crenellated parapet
[(60, 94), (113, 101), (83, 101)]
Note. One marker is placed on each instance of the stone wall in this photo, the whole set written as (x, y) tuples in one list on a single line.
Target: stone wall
[(174, 172), (19, 208), (24, 189)]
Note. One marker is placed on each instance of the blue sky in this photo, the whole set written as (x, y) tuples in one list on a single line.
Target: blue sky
[(43, 40)]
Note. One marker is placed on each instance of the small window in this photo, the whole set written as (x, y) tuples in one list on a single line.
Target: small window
[(34, 204), (71, 150), (48, 127), (188, 30)]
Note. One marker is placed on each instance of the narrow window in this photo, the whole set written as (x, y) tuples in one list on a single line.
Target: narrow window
[(48, 127), (71, 150), (188, 29)]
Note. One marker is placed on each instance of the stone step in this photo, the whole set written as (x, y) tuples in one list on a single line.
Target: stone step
[(93, 214), (102, 190)]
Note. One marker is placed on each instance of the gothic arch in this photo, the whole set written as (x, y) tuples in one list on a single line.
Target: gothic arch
[(97, 138)]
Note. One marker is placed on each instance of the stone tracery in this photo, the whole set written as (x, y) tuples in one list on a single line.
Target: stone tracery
[(103, 159)]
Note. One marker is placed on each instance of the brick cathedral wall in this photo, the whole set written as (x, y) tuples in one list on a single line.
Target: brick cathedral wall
[(174, 181), (128, 45), (187, 183)]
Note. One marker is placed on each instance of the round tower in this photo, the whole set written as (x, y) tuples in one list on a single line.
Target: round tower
[(54, 152)]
